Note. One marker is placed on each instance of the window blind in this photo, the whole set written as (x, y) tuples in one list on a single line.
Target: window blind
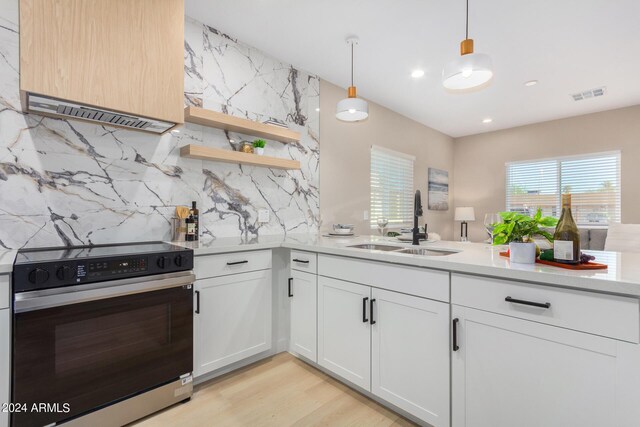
[(391, 187), (592, 180)]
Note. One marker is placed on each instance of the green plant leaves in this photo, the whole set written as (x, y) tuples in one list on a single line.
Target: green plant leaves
[(517, 227)]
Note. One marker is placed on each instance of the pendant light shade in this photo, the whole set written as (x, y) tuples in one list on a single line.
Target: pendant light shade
[(352, 108), (470, 70)]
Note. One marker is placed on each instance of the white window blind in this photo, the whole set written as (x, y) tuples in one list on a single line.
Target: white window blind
[(592, 180), (391, 187)]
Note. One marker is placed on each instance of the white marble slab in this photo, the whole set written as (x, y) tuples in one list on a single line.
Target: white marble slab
[(64, 182)]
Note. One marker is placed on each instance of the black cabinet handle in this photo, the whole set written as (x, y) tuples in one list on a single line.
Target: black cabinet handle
[(237, 262), (531, 303), (197, 302), (455, 334), (373, 322), (364, 309), (302, 261), (290, 282)]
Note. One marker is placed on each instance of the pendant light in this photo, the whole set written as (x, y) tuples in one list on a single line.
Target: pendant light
[(352, 109), (470, 70)]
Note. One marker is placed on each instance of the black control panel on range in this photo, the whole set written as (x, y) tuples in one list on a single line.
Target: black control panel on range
[(55, 267)]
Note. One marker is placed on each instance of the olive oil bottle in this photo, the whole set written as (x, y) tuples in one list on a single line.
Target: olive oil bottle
[(566, 239)]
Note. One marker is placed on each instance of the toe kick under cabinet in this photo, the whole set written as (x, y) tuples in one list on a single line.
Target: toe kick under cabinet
[(529, 355), (232, 308), (375, 335)]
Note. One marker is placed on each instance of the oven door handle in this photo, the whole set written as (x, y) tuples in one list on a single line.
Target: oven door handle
[(48, 298)]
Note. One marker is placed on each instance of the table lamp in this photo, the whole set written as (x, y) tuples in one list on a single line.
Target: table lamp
[(464, 214)]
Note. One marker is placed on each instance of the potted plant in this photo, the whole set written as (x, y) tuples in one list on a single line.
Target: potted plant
[(518, 230), (258, 146)]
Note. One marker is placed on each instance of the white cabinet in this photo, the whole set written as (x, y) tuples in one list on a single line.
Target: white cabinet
[(344, 335), (391, 344), (232, 319), (5, 339), (509, 371), (304, 328), (410, 354)]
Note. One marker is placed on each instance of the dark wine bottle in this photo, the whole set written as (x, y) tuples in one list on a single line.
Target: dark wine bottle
[(566, 239), (191, 229), (195, 214)]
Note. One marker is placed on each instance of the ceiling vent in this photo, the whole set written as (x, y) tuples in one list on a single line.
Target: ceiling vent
[(593, 93)]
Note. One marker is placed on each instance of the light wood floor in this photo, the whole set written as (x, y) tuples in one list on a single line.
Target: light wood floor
[(279, 391)]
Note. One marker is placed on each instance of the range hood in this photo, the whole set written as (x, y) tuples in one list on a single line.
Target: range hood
[(63, 109)]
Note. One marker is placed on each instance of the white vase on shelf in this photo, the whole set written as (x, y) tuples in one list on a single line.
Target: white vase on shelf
[(522, 253), (259, 150)]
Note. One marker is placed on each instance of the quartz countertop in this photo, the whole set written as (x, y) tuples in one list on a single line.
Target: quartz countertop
[(6, 261), (621, 278)]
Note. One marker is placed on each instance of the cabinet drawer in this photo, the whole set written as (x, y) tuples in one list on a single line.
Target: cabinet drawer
[(231, 263), (605, 315), (304, 261), (4, 291), (422, 282)]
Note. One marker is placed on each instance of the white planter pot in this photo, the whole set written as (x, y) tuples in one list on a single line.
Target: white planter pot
[(522, 253), (259, 150)]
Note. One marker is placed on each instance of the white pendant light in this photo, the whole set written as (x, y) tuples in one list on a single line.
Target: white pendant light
[(470, 70), (352, 109)]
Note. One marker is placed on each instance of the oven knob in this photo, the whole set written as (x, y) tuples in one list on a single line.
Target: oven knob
[(162, 262), (38, 276), (178, 260), (65, 273)]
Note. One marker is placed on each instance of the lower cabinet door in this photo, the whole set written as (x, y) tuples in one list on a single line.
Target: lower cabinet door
[(511, 372), (303, 291), (410, 354), (344, 336), (232, 319), (5, 378)]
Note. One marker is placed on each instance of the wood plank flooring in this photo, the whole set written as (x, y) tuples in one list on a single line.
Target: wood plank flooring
[(279, 391)]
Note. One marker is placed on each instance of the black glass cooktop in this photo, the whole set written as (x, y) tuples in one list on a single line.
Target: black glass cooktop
[(30, 256)]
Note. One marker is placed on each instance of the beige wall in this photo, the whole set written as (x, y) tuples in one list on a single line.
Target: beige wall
[(479, 174), (345, 165)]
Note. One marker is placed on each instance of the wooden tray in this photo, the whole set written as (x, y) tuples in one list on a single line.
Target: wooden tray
[(588, 266)]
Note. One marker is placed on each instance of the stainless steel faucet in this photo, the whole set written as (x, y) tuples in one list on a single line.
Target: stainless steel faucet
[(417, 211)]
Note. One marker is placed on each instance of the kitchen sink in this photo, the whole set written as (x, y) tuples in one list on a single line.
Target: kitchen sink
[(374, 247), (427, 252)]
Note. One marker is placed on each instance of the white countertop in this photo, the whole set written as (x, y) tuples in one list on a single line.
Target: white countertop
[(622, 277), (6, 261)]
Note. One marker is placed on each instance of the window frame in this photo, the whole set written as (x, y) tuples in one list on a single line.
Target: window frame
[(559, 160)]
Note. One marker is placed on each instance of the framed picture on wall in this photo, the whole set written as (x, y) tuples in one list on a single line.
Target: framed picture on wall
[(438, 190)]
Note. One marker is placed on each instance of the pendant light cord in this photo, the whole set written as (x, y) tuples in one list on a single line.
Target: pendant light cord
[(352, 62), (467, 26)]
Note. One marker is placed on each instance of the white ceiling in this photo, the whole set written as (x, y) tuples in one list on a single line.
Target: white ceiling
[(568, 45)]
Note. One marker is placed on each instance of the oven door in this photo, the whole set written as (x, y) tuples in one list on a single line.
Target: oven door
[(84, 347)]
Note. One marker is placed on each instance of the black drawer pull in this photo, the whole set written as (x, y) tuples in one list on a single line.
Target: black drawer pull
[(302, 261), (237, 262), (364, 309), (197, 302), (531, 303), (373, 322), (454, 331), (290, 290)]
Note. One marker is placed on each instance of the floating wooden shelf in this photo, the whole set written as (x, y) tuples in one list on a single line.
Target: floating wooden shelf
[(224, 121), (228, 156)]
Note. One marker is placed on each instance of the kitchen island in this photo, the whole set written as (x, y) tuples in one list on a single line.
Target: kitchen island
[(463, 339)]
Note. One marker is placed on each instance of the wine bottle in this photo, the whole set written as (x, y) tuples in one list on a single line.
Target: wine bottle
[(195, 214), (566, 239), (191, 229)]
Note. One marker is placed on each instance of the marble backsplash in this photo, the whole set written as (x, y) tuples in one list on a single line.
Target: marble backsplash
[(65, 182)]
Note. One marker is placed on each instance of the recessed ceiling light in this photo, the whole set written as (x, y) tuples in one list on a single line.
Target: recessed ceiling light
[(487, 120), (317, 109), (531, 83), (416, 74), (231, 141), (175, 131)]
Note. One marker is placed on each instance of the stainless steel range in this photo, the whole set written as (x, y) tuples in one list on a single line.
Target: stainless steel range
[(102, 335)]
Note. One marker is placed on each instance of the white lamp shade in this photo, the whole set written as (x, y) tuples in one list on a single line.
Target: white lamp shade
[(352, 110), (465, 214), (467, 71)]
